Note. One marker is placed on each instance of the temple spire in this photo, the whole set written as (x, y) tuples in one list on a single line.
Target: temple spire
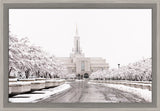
[(77, 42), (76, 29), (76, 49)]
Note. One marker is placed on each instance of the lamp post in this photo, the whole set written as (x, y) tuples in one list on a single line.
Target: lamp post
[(118, 65)]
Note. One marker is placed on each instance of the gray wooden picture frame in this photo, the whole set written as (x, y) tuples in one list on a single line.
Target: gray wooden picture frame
[(79, 4)]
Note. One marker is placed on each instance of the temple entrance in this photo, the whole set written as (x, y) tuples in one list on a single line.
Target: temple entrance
[(86, 75)]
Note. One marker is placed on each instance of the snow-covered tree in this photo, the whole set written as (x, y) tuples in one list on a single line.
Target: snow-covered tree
[(26, 60), (138, 71)]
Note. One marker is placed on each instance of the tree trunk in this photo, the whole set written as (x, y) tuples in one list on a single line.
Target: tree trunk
[(50, 76), (27, 73), (37, 74), (9, 72)]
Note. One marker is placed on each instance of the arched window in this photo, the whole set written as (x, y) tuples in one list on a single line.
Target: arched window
[(82, 66)]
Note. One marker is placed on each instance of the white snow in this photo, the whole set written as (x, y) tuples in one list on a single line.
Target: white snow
[(33, 98), (30, 79), (71, 76), (38, 82), (13, 80), (19, 83), (79, 80), (143, 93), (60, 80)]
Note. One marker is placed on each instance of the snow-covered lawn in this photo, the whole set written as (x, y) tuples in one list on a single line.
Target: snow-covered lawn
[(143, 93), (38, 95)]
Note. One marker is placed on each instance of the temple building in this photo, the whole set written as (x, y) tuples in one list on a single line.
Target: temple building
[(79, 64)]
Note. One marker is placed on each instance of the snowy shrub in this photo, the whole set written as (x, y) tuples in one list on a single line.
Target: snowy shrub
[(71, 76)]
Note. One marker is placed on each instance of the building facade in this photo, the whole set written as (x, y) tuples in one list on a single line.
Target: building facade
[(79, 64)]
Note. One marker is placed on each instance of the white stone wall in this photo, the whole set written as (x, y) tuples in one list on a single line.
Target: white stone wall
[(91, 64)]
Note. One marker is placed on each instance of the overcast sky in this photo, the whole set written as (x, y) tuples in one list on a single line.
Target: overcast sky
[(121, 36)]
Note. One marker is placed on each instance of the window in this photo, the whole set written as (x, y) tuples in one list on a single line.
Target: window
[(82, 66), (73, 70)]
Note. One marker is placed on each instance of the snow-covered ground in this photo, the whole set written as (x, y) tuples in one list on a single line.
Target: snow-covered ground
[(38, 95), (84, 92), (79, 79), (143, 93)]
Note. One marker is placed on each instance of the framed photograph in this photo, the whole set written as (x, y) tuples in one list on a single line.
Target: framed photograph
[(71, 55)]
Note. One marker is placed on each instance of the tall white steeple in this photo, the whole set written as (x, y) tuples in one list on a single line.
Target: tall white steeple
[(77, 42), (76, 49)]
